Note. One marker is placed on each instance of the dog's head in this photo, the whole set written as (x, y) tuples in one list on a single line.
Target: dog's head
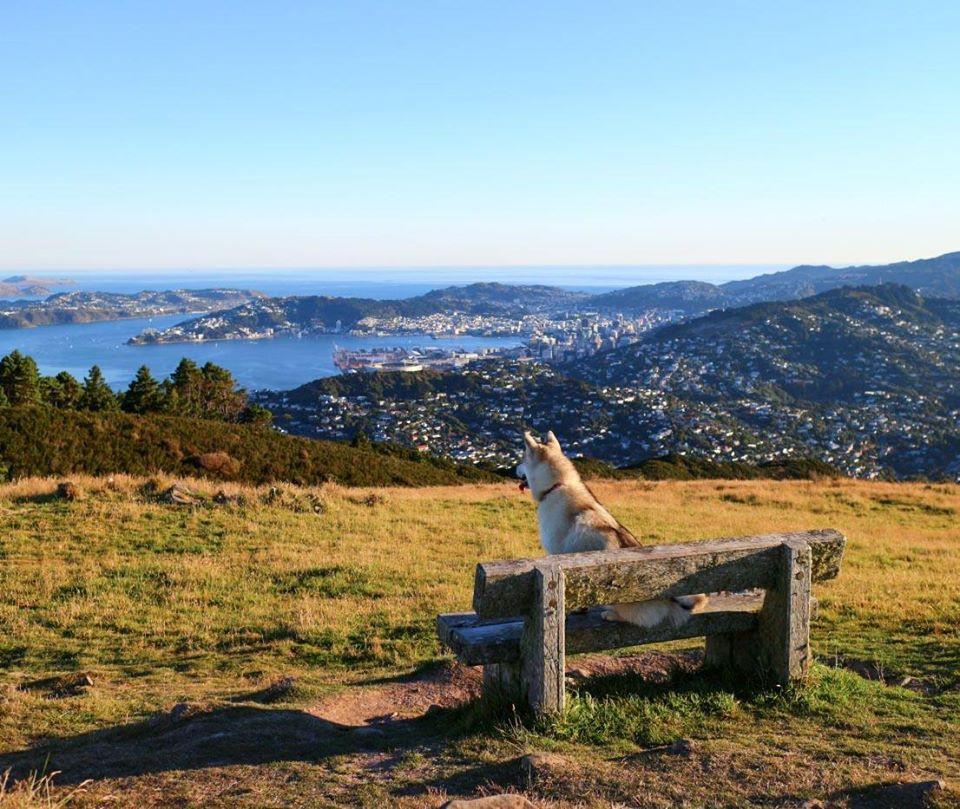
[(542, 465)]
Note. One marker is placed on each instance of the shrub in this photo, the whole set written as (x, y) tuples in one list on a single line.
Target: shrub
[(45, 441)]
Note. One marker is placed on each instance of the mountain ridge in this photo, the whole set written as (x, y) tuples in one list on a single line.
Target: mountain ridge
[(939, 276)]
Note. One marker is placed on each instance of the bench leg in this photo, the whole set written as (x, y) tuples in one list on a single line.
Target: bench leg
[(779, 649), (784, 621), (503, 684), (543, 646)]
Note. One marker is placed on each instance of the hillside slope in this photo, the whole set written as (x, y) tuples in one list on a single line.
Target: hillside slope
[(46, 441), (858, 372), (826, 348)]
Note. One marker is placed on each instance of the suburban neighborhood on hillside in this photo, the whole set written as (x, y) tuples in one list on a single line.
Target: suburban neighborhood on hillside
[(860, 379)]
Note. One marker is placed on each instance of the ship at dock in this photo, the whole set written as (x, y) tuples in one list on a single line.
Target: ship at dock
[(405, 359)]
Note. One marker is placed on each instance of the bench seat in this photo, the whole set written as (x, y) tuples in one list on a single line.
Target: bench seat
[(479, 643)]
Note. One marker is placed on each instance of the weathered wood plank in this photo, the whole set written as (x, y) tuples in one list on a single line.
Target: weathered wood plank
[(783, 624), (503, 684), (777, 649), (480, 644), (505, 589), (542, 643), (477, 643)]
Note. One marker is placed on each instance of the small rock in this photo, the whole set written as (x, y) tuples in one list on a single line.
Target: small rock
[(368, 734), (180, 496), (578, 674), (64, 685), (917, 685), (681, 747), (505, 801), (273, 692), (274, 495), (186, 710), (537, 766), (179, 710), (68, 490)]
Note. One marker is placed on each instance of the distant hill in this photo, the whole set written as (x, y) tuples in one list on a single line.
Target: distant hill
[(89, 307), (488, 298), (934, 277), (269, 316), (17, 286), (20, 280), (821, 348), (45, 441), (686, 296), (861, 372)]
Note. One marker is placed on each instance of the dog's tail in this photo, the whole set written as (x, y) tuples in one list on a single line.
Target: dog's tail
[(691, 604), (675, 610)]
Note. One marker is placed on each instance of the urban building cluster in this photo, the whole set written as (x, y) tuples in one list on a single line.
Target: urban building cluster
[(866, 388)]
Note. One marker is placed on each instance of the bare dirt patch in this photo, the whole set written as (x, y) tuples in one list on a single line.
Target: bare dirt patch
[(447, 686)]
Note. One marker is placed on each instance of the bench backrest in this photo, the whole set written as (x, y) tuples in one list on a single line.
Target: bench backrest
[(506, 589)]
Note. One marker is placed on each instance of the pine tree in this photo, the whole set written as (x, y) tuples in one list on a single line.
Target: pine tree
[(256, 414), (205, 393), (4, 401), (97, 394), (62, 391), (221, 400), (20, 379), (144, 394), (185, 389)]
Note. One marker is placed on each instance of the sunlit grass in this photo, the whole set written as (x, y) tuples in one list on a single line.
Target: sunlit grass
[(160, 603)]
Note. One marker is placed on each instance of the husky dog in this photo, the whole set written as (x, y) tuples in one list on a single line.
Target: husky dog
[(572, 520)]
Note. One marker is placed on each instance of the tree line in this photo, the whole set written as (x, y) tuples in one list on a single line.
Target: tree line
[(193, 391)]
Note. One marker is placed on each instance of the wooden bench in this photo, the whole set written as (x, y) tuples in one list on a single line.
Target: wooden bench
[(529, 613)]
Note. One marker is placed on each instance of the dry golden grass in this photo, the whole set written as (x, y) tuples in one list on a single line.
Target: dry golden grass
[(161, 603)]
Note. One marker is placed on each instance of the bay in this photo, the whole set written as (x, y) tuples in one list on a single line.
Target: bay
[(285, 362), (278, 363)]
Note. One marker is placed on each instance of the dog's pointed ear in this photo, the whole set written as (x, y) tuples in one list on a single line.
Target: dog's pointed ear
[(552, 439), (530, 441)]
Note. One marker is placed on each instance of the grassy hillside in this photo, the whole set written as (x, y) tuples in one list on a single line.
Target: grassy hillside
[(684, 467), (46, 441), (212, 606)]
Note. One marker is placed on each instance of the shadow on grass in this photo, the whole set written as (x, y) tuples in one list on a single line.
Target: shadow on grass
[(190, 738)]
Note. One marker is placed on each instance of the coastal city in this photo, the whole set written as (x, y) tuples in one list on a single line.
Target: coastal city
[(546, 338), (743, 390)]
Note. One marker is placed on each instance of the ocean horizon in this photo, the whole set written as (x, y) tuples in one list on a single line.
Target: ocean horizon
[(399, 282)]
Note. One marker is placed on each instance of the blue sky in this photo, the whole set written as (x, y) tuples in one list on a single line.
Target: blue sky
[(218, 134)]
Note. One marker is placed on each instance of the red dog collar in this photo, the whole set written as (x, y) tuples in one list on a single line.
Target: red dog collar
[(553, 488)]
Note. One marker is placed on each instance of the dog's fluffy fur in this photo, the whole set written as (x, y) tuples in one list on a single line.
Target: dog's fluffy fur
[(572, 520)]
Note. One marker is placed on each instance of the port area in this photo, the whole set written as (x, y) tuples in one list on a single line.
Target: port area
[(418, 359)]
